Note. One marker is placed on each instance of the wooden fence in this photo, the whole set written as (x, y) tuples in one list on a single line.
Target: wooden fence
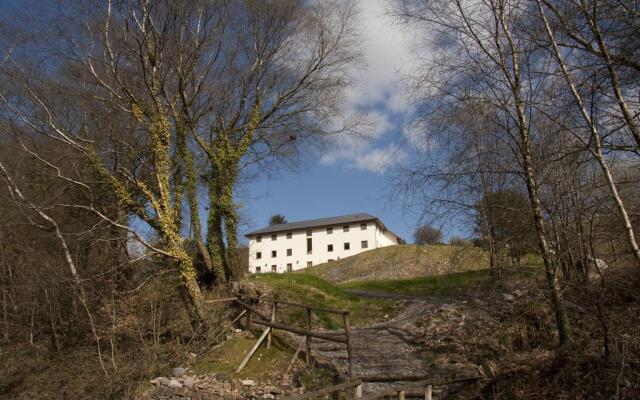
[(255, 316)]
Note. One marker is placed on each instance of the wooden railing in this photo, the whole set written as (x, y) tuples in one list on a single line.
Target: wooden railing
[(255, 316), (421, 387)]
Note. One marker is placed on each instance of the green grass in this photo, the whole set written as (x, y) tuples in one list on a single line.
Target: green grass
[(225, 359), (316, 292), (428, 285)]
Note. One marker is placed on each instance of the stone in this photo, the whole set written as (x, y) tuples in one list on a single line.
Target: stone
[(164, 381), (237, 330), (236, 386), (247, 382), (268, 396), (174, 383), (508, 297), (179, 371), (188, 381), (156, 381)]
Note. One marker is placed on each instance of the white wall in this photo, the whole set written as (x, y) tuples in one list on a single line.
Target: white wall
[(374, 236)]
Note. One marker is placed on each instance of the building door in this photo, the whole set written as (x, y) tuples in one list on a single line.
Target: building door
[(289, 267)]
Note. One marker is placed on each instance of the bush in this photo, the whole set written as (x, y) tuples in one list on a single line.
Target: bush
[(427, 234)]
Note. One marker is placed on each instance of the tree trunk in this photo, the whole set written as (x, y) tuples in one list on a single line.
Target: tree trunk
[(215, 236), (562, 321)]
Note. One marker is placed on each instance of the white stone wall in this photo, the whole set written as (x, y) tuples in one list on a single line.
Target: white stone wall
[(321, 240)]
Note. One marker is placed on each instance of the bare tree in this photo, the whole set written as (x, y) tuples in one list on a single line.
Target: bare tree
[(162, 98), (482, 53)]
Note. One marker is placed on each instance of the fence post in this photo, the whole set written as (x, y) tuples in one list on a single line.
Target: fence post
[(352, 371), (427, 392), (347, 332), (401, 395), (247, 321), (273, 319), (308, 337)]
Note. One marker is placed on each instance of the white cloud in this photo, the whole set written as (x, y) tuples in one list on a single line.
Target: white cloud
[(378, 160), (386, 48)]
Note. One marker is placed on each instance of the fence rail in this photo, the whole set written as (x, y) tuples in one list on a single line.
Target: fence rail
[(271, 323)]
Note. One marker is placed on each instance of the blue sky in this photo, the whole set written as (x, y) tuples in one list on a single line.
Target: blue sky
[(353, 177)]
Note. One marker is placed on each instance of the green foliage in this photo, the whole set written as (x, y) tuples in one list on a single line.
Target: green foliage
[(277, 219)]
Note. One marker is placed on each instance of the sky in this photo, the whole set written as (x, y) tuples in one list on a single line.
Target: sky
[(353, 177)]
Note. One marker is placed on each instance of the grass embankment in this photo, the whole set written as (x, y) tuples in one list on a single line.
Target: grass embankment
[(449, 284), (455, 283), (316, 292), (402, 262)]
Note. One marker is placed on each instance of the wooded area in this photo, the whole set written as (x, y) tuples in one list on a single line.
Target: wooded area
[(126, 128), (533, 108)]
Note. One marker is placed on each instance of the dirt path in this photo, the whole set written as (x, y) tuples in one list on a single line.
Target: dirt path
[(400, 348), (388, 349)]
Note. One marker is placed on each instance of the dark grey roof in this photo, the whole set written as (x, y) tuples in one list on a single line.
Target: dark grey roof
[(313, 223)]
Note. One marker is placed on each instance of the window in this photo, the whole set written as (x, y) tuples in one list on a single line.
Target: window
[(363, 226), (309, 246), (274, 254), (347, 246), (364, 244), (274, 268), (289, 267), (257, 270), (259, 255), (289, 252), (309, 263), (329, 231), (274, 236), (258, 238), (289, 235), (329, 247), (309, 233), (345, 228)]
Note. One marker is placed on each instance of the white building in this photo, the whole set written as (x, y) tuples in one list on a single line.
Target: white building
[(296, 245)]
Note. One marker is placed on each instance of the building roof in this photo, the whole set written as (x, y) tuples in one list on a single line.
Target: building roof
[(314, 223)]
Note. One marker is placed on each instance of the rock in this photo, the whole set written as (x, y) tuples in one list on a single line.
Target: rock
[(174, 383), (268, 396), (237, 330), (188, 381), (236, 386), (508, 297), (156, 381), (248, 382), (518, 293), (164, 381), (179, 371)]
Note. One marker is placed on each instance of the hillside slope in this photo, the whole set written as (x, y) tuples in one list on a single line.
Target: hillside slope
[(402, 262)]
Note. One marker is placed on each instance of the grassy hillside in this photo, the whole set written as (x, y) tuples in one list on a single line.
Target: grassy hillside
[(309, 289), (402, 262), (454, 283)]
